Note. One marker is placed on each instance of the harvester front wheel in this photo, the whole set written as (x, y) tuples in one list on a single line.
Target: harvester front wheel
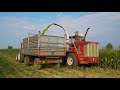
[(36, 64), (71, 60)]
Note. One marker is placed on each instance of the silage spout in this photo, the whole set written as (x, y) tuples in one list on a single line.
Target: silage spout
[(66, 33)]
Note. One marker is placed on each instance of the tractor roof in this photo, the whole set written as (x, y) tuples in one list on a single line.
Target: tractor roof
[(74, 36)]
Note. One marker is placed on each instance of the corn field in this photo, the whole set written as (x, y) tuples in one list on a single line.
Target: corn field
[(108, 68), (109, 58)]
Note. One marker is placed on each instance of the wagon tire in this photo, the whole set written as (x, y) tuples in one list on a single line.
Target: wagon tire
[(27, 60), (37, 66)]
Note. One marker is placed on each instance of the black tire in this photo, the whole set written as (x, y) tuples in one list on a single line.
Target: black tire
[(71, 60), (37, 66), (27, 60), (63, 61), (88, 65), (21, 61)]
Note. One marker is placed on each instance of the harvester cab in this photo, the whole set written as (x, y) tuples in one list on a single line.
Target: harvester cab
[(77, 38)]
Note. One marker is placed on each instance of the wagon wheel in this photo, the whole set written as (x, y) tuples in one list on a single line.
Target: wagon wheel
[(27, 60), (36, 64)]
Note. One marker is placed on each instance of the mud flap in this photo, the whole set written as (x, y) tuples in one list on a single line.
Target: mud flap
[(18, 57)]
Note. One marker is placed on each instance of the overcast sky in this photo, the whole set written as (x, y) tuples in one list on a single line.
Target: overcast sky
[(104, 26)]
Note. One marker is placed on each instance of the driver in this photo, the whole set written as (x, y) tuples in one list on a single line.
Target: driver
[(77, 39), (76, 36)]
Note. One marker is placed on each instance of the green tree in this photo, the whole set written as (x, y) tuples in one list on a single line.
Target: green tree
[(119, 47), (109, 46), (10, 47)]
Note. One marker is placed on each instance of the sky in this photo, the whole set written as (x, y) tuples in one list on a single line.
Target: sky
[(104, 26)]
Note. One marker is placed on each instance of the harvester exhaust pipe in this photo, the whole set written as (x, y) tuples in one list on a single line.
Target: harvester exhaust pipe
[(86, 33)]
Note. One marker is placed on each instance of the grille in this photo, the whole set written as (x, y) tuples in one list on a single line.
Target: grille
[(91, 50)]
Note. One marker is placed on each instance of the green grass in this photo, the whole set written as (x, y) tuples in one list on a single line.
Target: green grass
[(10, 68)]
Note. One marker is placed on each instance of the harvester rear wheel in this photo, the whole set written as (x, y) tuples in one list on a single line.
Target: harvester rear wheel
[(27, 60), (36, 64), (71, 60)]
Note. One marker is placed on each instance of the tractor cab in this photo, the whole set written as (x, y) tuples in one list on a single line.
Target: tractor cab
[(76, 38)]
